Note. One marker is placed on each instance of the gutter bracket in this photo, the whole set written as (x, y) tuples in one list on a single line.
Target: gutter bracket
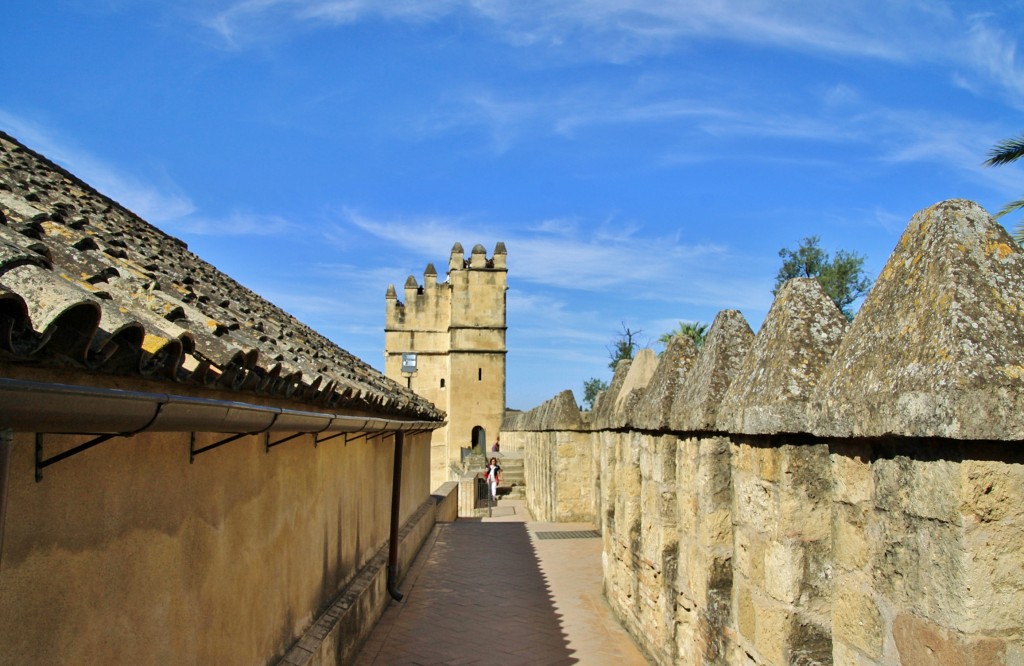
[(193, 452), (42, 462), (317, 440), (270, 445)]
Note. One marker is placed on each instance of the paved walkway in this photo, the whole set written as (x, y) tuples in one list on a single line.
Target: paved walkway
[(491, 592)]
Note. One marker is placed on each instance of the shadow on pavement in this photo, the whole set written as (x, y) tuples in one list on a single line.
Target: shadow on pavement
[(475, 595)]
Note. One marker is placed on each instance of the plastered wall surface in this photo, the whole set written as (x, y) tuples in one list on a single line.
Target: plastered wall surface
[(127, 553)]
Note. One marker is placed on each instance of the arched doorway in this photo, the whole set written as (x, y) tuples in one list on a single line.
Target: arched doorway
[(479, 440)]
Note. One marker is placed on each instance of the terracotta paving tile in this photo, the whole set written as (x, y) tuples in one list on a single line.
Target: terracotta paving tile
[(488, 592)]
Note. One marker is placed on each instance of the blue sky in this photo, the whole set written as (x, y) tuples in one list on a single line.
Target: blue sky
[(643, 162)]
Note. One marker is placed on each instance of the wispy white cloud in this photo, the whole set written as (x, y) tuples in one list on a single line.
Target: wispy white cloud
[(979, 51), (990, 51), (839, 115), (244, 22), (585, 257), (618, 30)]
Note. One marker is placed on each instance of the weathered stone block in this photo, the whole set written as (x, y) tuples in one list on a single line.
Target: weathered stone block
[(857, 621), (715, 529), (666, 447), (810, 644), (920, 642), (687, 648), (851, 546), (667, 507), (816, 592), (773, 632), (746, 614), (713, 477), (919, 564), (993, 579), (749, 556), (707, 573), (847, 655), (756, 503), (807, 515), (992, 491), (852, 479), (691, 558), (785, 561), (925, 488)]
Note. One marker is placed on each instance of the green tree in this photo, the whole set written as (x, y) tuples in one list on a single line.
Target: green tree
[(623, 346), (842, 277), (1005, 152), (591, 387), (694, 330)]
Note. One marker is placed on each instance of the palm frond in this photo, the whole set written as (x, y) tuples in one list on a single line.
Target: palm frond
[(1006, 151), (1010, 207)]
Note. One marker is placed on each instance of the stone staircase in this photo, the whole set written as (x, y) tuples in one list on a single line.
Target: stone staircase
[(513, 475)]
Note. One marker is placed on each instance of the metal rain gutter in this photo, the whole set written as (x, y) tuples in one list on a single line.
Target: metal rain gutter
[(65, 408)]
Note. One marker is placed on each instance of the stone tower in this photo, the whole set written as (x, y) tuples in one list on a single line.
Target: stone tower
[(456, 330)]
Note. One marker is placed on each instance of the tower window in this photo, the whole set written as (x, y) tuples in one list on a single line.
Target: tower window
[(479, 374), (442, 383)]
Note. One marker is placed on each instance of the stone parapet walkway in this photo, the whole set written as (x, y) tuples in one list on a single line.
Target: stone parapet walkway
[(490, 591)]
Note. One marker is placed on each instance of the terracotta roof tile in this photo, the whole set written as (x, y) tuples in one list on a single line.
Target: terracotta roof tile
[(86, 282)]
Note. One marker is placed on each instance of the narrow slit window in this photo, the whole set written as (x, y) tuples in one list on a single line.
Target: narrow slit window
[(479, 374), (442, 383)]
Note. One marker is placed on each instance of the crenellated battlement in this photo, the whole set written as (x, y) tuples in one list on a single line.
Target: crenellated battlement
[(822, 491)]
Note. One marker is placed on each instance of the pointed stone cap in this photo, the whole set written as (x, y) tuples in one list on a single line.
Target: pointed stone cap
[(558, 413), (645, 362), (391, 293), (430, 270), (604, 403), (500, 258), (457, 259), (774, 381), (654, 407), (696, 406), (936, 349), (410, 282)]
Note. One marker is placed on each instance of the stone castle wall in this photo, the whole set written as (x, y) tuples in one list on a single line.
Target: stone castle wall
[(457, 330), (558, 459), (821, 492)]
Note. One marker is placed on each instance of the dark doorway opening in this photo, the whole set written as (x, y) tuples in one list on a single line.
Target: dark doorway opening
[(479, 439)]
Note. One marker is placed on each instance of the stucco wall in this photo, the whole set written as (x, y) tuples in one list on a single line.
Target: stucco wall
[(823, 492), (127, 553)]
